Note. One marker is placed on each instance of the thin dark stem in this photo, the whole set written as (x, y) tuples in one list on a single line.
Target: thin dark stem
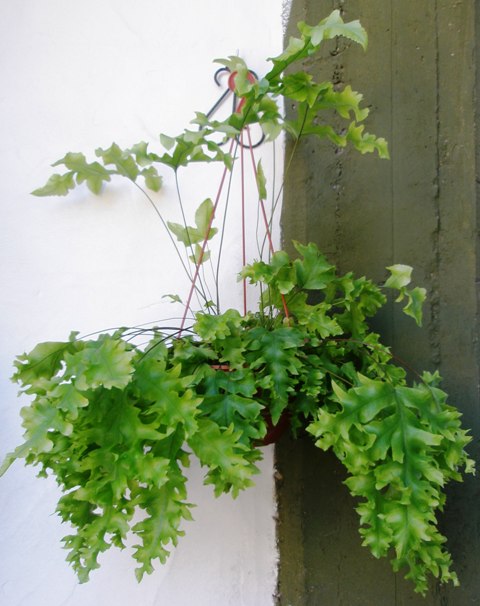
[(209, 227), (180, 203), (222, 237), (172, 240), (137, 326), (201, 288), (159, 215), (177, 332)]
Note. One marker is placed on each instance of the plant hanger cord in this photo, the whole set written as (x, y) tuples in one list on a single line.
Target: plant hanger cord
[(268, 234), (204, 245), (116, 419), (244, 243)]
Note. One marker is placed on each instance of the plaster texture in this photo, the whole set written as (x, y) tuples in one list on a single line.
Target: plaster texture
[(75, 76)]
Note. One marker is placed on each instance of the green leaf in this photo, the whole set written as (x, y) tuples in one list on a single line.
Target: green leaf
[(67, 398), (230, 469), (416, 298), (293, 49), (200, 255), (230, 400), (345, 102), (43, 362), (241, 80), (217, 327), (57, 185), (300, 87), (271, 129), (315, 318), (122, 160), (401, 276), (366, 142), (274, 355), (173, 402), (312, 37), (38, 422), (201, 233), (233, 62), (167, 142), (261, 181), (166, 510), (173, 298), (204, 218), (384, 436), (193, 136), (313, 271), (185, 235), (93, 173), (334, 26), (152, 179), (399, 280), (140, 151), (106, 362)]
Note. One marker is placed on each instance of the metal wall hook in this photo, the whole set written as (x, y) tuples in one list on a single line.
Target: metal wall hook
[(235, 103)]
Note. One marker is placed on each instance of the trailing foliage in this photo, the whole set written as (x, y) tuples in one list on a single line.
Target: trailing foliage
[(117, 423), (116, 420)]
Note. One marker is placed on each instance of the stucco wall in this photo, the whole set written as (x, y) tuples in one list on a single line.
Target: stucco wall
[(74, 76)]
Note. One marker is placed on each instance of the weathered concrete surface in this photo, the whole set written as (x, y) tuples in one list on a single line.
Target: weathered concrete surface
[(419, 76)]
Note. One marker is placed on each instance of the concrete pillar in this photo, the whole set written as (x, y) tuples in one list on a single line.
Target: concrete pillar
[(419, 77)]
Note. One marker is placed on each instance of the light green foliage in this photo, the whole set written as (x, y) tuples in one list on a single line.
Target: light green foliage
[(203, 232), (112, 423), (400, 445), (261, 181), (333, 26), (116, 423), (399, 279), (93, 173), (261, 106), (57, 185), (275, 352), (312, 37), (127, 163)]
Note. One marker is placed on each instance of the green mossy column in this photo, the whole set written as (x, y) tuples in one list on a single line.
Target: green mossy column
[(419, 77)]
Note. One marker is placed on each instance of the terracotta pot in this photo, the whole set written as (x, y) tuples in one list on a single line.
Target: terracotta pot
[(275, 432)]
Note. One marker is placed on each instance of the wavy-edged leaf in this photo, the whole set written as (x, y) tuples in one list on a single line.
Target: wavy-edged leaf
[(57, 185), (91, 172), (395, 455), (122, 160), (334, 26), (106, 362)]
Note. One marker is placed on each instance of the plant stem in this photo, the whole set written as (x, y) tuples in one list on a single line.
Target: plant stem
[(202, 288), (159, 215)]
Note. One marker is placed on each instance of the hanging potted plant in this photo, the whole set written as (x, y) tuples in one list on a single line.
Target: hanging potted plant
[(117, 418)]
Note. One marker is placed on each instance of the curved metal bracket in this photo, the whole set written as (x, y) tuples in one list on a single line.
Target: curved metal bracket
[(235, 102)]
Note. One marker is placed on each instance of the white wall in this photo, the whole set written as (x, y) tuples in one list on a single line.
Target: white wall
[(74, 76)]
